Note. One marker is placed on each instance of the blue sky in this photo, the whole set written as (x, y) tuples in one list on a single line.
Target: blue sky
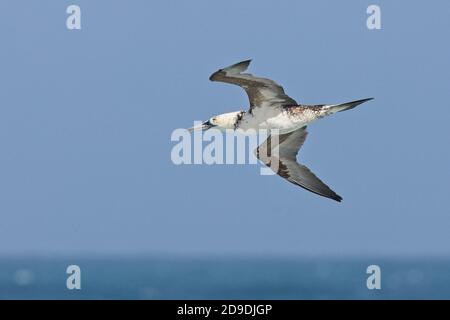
[(86, 118)]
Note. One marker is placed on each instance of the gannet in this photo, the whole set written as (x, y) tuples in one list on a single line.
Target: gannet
[(271, 108)]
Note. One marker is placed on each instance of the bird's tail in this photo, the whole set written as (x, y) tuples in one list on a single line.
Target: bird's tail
[(345, 106)]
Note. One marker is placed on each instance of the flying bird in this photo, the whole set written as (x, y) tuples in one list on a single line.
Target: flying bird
[(271, 108)]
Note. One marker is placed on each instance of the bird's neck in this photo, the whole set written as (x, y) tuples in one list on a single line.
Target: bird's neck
[(239, 117)]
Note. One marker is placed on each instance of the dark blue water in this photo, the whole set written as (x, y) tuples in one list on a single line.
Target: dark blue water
[(223, 278)]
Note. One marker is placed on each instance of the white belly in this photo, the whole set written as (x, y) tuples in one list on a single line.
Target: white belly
[(283, 121)]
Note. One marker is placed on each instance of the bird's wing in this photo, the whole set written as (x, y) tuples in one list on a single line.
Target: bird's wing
[(285, 152), (261, 92)]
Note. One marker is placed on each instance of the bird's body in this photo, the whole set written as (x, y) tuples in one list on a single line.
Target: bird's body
[(284, 118), (270, 108)]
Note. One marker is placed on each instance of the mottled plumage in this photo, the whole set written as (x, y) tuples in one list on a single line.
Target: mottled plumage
[(287, 167), (271, 108)]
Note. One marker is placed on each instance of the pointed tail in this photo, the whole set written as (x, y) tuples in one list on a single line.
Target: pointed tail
[(346, 106)]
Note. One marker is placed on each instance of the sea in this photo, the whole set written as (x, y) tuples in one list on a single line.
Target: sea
[(229, 277)]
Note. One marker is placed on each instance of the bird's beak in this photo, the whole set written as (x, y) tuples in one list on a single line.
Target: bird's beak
[(204, 126)]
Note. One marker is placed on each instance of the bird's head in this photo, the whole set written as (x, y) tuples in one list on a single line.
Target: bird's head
[(222, 121)]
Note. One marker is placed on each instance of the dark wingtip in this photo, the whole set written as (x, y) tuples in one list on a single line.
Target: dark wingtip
[(212, 77), (334, 196), (243, 65)]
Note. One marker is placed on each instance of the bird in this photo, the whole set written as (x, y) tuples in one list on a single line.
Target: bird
[(271, 108)]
